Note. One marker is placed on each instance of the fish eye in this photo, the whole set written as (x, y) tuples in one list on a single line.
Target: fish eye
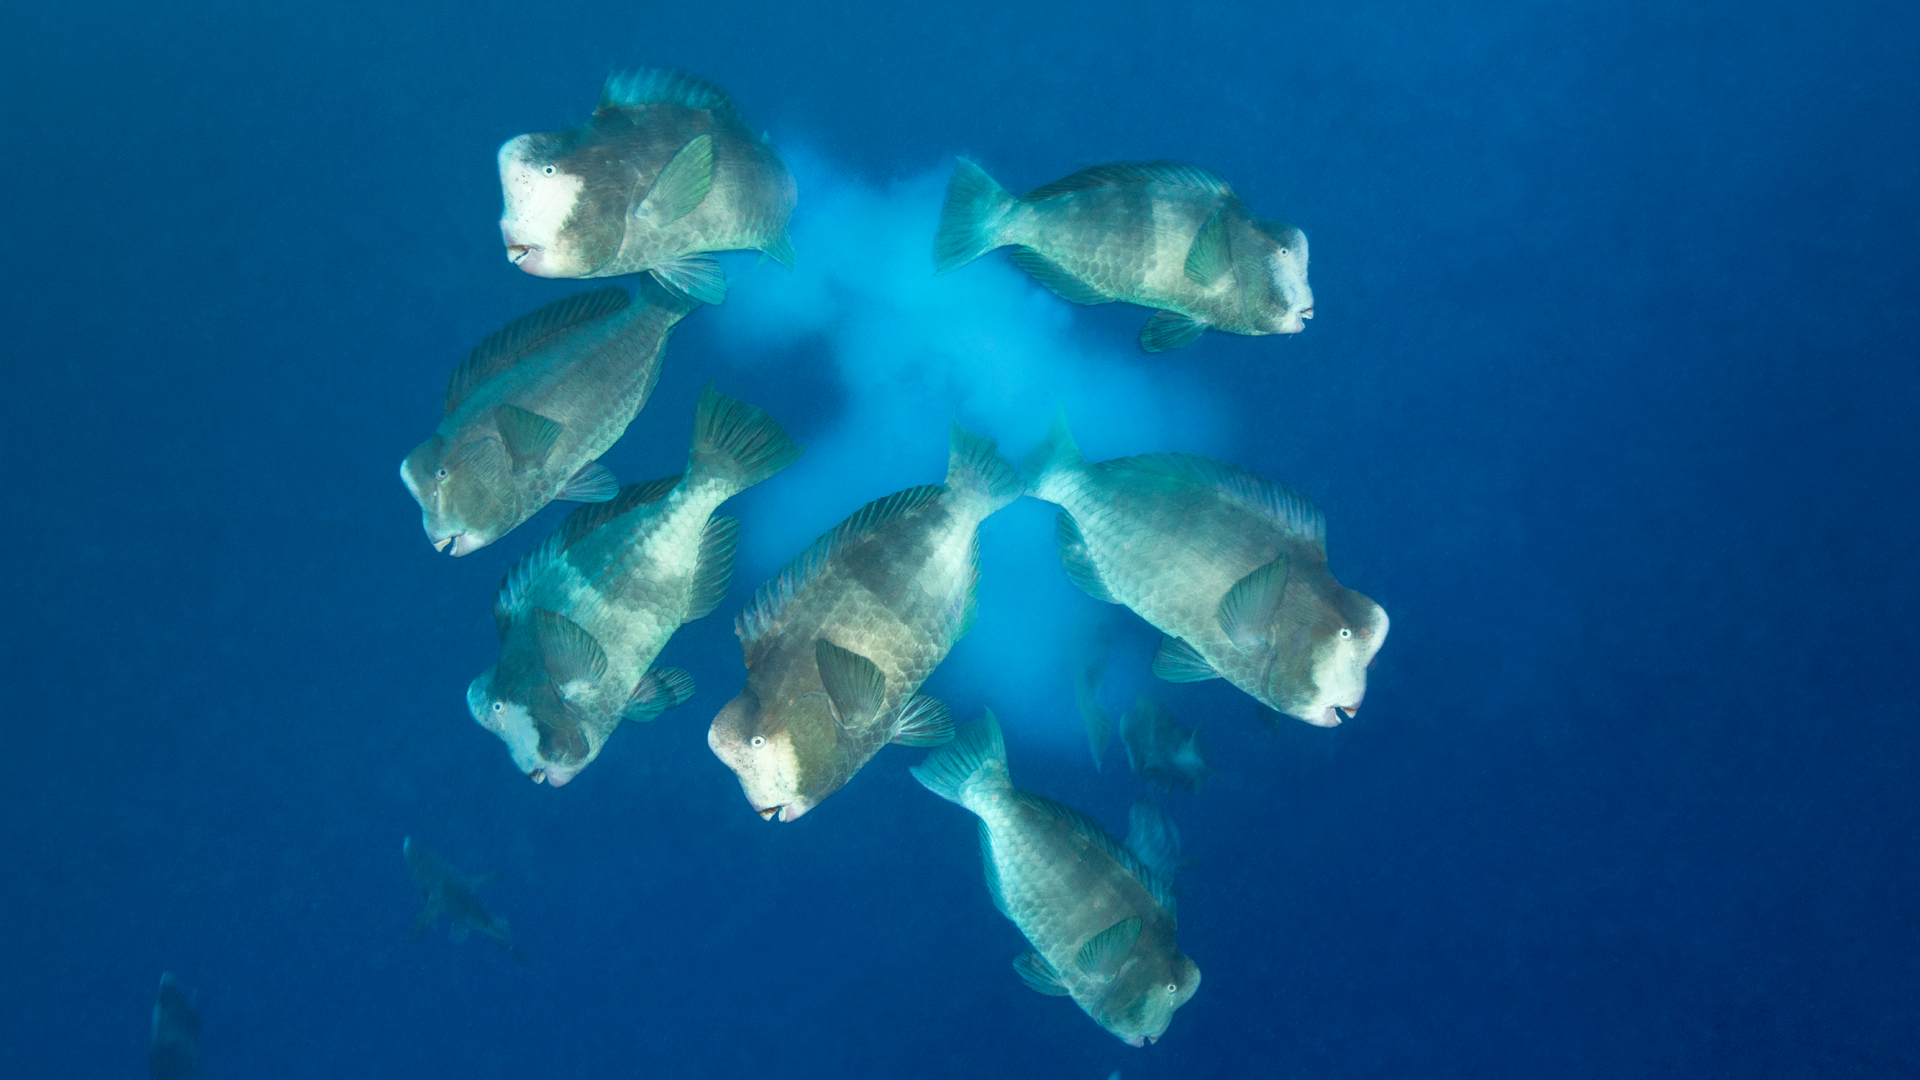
[(499, 707), (1173, 988), (440, 473), (1345, 633), (548, 170), (758, 741), (1283, 251)]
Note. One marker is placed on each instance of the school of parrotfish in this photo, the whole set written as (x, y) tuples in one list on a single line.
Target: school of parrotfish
[(1231, 567)]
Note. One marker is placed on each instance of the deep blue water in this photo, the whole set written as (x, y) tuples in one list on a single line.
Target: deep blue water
[(1609, 401)]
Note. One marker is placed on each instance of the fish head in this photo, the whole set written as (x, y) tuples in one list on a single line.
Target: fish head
[(1289, 299), (461, 486), (544, 734), (1339, 645), (1139, 1006), (564, 211), (767, 750)]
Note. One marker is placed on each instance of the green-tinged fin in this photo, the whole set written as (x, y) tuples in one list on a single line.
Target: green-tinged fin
[(660, 690), (772, 599), (1169, 330), (855, 685), (970, 217), (1039, 975), (572, 656), (1099, 726), (976, 469), (1056, 279), (990, 869), (735, 443), (976, 747), (1208, 260), (922, 721), (529, 437), (1090, 829), (682, 185), (524, 336), (1105, 951), (510, 603), (1048, 466), (1077, 559), (1284, 506), (594, 483), (1122, 173), (1177, 661), (715, 569), (592, 516), (964, 604), (696, 277), (1249, 608), (659, 86), (1153, 837), (780, 249)]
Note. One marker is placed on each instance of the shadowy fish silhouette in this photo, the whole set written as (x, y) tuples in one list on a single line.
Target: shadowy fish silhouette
[(1161, 234), (174, 1052), (582, 617), (1160, 750), (532, 408), (837, 645), (665, 172), (451, 893), (1099, 914), (1231, 566)]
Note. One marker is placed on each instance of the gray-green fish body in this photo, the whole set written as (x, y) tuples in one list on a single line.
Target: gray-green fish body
[(1161, 234), (665, 172), (583, 616), (1229, 565), (446, 891), (837, 646), (531, 410), (1099, 914)]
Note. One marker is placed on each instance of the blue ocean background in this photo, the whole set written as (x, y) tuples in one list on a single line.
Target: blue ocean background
[(1609, 400)]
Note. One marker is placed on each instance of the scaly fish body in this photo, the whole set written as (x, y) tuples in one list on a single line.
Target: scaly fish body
[(583, 616), (664, 172), (533, 408), (837, 646), (1099, 914), (1231, 566), (1161, 234)]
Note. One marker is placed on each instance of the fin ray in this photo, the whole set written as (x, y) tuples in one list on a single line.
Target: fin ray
[(529, 437), (521, 338), (1177, 661), (855, 685), (922, 721), (659, 690), (696, 277), (1169, 330), (1208, 260), (1105, 951), (1174, 173), (594, 483), (771, 600), (714, 571), (1248, 610), (682, 184), (1039, 975)]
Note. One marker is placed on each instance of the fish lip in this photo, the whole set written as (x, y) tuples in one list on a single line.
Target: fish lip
[(518, 252), (538, 776), (1306, 313), (770, 813), (464, 544), (1137, 1040), (441, 544), (1351, 710)]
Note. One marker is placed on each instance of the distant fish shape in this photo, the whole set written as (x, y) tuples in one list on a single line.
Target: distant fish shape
[(665, 172), (1162, 751), (1161, 234), (1231, 566), (174, 1050), (582, 617), (837, 646), (450, 893), (1099, 914), (531, 410)]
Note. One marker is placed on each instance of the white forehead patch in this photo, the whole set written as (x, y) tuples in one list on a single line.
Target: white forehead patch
[(537, 201)]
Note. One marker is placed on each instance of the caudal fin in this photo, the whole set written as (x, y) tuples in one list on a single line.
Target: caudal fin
[(975, 757), (1049, 465), (971, 217), (975, 468), (736, 444)]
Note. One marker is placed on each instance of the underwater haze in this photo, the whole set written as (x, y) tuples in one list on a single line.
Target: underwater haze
[(1608, 400)]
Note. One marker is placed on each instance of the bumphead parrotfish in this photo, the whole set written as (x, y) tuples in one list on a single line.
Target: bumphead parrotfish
[(1231, 566), (665, 172), (582, 617), (1099, 914), (532, 408), (173, 1053), (446, 891), (837, 646), (1161, 234)]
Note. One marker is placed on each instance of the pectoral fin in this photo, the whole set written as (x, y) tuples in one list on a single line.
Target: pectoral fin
[(662, 689), (1248, 610), (1104, 952), (923, 721), (682, 185), (594, 483), (698, 277), (529, 437), (854, 683), (1208, 258), (1039, 975), (571, 654), (1169, 330)]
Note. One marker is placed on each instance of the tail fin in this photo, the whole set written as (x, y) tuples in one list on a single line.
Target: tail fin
[(1047, 465), (974, 466), (975, 756), (736, 444), (970, 219), (1099, 726)]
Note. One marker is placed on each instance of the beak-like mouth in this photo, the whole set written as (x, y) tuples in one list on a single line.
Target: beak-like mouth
[(769, 813), (1137, 1040), (465, 544), (517, 252), (441, 544), (1350, 710), (1306, 313), (538, 776)]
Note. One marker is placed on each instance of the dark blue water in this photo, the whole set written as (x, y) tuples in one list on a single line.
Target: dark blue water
[(1609, 402)]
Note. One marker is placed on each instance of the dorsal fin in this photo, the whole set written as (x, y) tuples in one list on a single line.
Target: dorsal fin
[(660, 86), (1175, 173), (1285, 506), (511, 601), (522, 337), (1161, 889), (770, 601), (593, 515)]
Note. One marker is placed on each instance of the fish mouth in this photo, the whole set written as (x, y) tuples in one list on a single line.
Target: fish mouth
[(464, 544), (518, 252), (441, 544), (538, 776), (769, 813), (1137, 1040), (1306, 313)]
